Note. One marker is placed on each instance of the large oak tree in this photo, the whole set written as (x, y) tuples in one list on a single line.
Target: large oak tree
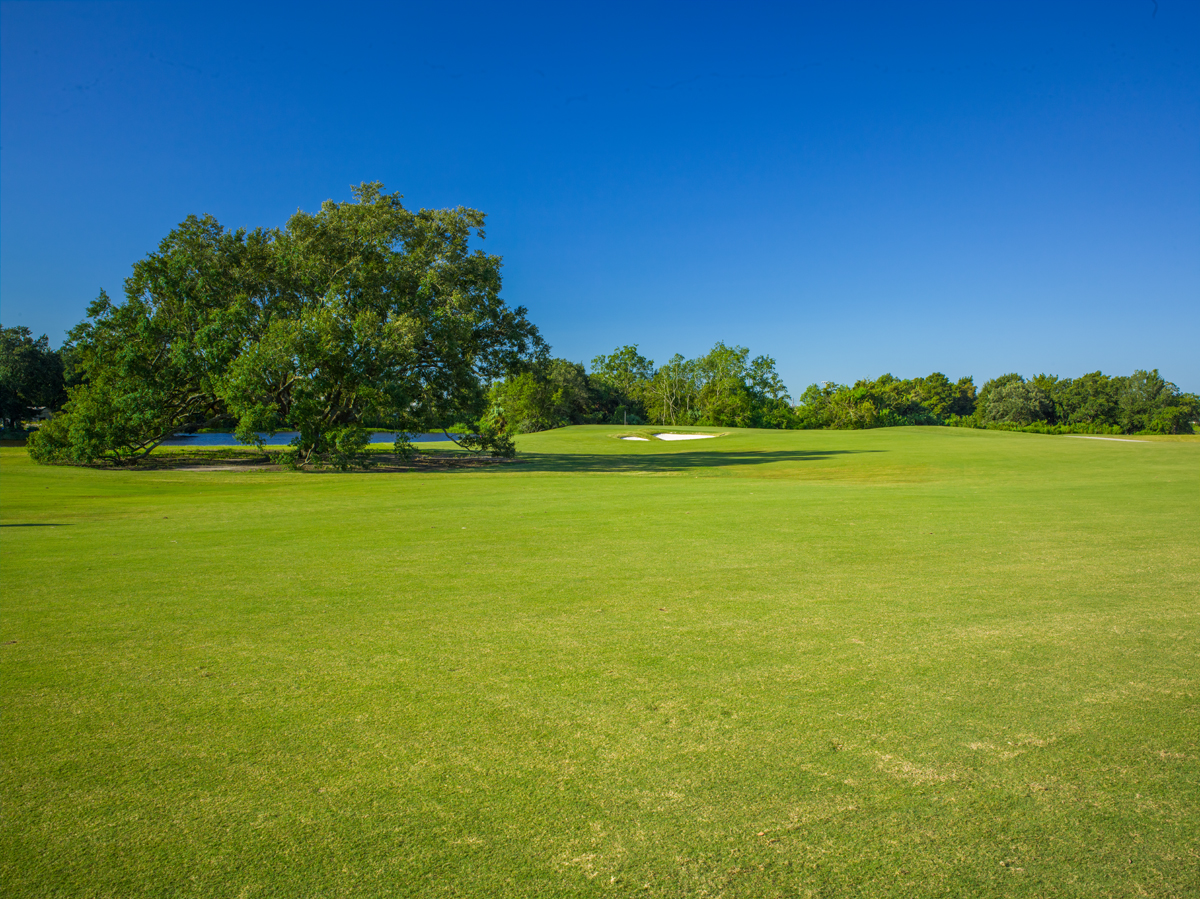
[(361, 315)]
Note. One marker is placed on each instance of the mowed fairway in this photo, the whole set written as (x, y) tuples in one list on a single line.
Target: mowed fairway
[(904, 662)]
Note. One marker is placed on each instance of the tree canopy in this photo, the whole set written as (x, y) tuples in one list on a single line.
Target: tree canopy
[(724, 388), (885, 402), (31, 376), (1092, 403), (1143, 402), (362, 315)]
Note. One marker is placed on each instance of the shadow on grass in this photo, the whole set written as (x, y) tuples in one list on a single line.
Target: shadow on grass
[(37, 525), (671, 462), (171, 459), (447, 461)]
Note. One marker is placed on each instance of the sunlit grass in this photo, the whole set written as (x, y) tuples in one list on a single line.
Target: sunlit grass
[(887, 663)]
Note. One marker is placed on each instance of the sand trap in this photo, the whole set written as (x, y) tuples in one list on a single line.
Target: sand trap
[(643, 439), (1117, 439), (684, 436)]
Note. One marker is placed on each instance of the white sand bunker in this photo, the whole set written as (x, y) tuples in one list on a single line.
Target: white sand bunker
[(684, 436), (643, 439)]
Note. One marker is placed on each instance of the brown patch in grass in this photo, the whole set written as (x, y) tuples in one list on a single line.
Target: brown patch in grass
[(905, 770)]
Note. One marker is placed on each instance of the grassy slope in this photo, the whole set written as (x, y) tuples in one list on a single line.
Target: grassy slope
[(901, 662)]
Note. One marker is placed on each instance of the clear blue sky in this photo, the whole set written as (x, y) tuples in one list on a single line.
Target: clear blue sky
[(852, 188)]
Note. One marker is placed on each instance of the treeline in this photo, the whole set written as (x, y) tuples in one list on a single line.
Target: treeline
[(1143, 402), (724, 387), (727, 388), (368, 316)]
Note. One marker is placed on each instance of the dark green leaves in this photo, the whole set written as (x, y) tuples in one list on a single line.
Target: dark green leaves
[(361, 315), (31, 375)]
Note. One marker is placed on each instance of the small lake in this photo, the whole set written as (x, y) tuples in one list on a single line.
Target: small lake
[(283, 438)]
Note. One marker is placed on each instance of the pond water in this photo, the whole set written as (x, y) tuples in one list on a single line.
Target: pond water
[(283, 438)]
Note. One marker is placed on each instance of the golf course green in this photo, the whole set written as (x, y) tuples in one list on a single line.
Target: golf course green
[(896, 662)]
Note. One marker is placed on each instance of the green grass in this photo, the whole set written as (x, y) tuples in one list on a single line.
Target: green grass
[(905, 662)]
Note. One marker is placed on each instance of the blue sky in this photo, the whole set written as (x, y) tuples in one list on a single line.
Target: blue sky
[(851, 188)]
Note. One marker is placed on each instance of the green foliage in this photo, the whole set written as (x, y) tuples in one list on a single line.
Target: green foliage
[(1091, 404), (965, 400), (397, 321), (671, 394), (723, 388), (489, 438), (812, 412), (159, 361), (624, 370), (1090, 398), (723, 392), (985, 394), (934, 394), (555, 393), (885, 402), (361, 313), (100, 423), (1174, 419), (526, 403), (1018, 401), (31, 376), (619, 385), (1036, 427), (1146, 402)]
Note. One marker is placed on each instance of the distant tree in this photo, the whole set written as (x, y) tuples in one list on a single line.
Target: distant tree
[(935, 394), (838, 406), (892, 398), (525, 403), (1178, 418), (965, 399), (620, 383), (578, 398), (1093, 401), (853, 407), (985, 393), (554, 394), (1049, 385), (31, 376), (1147, 402), (673, 392), (1088, 399), (723, 395), (886, 401), (769, 395), (1019, 402), (813, 409), (625, 369)]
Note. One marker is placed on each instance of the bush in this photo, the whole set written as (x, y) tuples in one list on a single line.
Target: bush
[(1172, 420)]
